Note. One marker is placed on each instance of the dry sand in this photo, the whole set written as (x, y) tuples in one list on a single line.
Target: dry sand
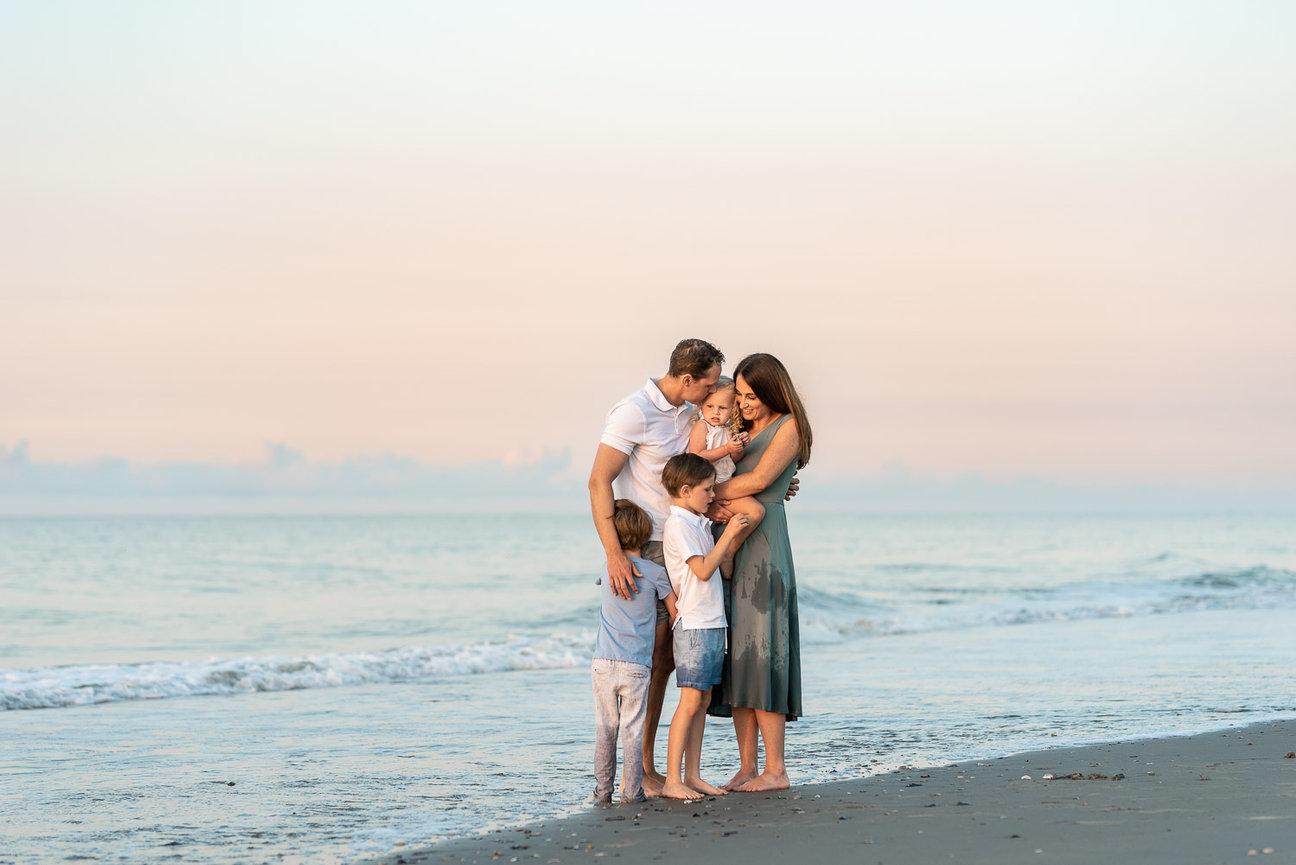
[(1212, 798)]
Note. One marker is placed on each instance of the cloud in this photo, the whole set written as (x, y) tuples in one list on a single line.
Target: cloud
[(285, 480)]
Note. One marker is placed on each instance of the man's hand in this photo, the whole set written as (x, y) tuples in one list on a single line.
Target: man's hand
[(793, 486), (621, 574)]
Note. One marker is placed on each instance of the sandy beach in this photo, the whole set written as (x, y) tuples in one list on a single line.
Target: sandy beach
[(1219, 797)]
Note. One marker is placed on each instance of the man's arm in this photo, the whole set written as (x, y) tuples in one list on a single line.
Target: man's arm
[(608, 463)]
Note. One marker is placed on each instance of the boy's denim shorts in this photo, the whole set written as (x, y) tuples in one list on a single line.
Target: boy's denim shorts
[(699, 657)]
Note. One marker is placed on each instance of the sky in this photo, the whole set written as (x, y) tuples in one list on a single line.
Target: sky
[(298, 248)]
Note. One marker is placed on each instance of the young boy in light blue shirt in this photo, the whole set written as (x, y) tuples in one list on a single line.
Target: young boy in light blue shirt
[(623, 658)]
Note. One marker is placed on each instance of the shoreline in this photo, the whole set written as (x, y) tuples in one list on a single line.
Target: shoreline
[(1225, 796)]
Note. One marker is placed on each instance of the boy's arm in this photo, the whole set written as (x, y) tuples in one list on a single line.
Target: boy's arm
[(704, 566), (671, 607)]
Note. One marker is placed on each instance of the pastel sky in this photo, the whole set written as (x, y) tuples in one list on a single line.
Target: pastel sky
[(1012, 239)]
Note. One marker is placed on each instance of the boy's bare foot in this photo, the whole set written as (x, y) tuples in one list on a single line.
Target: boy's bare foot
[(704, 788), (677, 790), (652, 784), (739, 778), (765, 781)]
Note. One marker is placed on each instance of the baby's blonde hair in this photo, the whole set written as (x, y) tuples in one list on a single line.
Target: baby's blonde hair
[(724, 382)]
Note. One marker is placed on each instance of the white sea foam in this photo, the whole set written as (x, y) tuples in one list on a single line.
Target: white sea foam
[(56, 687), (832, 617), (826, 618)]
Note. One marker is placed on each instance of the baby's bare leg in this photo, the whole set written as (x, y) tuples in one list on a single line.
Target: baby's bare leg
[(755, 512)]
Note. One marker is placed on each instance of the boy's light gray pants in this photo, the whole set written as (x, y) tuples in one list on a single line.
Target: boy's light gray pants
[(620, 703)]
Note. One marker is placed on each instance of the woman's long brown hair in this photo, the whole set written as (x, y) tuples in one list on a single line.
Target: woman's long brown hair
[(769, 380)]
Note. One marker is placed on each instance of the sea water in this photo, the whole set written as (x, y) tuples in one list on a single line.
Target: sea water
[(319, 689)]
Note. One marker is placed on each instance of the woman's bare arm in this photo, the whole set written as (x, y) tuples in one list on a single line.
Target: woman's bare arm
[(780, 453)]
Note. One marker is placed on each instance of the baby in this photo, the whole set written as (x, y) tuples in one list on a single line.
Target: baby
[(718, 436)]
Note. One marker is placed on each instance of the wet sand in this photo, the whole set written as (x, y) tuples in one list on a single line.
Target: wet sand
[(1221, 797)]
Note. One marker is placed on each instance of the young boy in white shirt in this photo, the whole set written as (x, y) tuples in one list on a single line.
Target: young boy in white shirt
[(692, 560), (623, 650)]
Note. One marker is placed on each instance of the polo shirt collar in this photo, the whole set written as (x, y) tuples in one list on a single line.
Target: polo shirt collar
[(659, 399), (699, 520)]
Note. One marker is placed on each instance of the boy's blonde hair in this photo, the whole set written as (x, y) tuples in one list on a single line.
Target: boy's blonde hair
[(684, 470), (724, 382), (633, 525)]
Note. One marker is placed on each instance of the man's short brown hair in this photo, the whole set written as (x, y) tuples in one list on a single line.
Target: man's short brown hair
[(694, 357)]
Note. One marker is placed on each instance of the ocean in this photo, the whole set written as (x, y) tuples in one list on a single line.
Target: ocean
[(322, 688)]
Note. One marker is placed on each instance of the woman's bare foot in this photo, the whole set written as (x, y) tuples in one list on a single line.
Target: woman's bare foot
[(742, 776), (677, 790), (652, 784), (765, 781), (703, 787)]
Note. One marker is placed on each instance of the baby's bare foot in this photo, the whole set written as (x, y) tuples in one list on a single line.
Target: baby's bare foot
[(677, 790)]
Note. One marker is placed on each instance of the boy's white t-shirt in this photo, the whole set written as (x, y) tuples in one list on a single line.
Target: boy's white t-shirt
[(700, 602)]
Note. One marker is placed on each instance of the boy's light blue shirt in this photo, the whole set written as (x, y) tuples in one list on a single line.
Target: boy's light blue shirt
[(627, 629)]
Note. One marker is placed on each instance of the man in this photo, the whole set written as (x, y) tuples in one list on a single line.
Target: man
[(642, 432)]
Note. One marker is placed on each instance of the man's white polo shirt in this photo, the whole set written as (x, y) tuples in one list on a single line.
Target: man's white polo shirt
[(700, 603), (648, 429)]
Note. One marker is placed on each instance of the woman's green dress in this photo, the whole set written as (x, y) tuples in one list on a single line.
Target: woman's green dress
[(762, 668)]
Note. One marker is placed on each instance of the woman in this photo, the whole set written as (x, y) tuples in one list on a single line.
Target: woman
[(762, 674)]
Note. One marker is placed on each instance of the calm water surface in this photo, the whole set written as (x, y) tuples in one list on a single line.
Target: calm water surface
[(316, 689)]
